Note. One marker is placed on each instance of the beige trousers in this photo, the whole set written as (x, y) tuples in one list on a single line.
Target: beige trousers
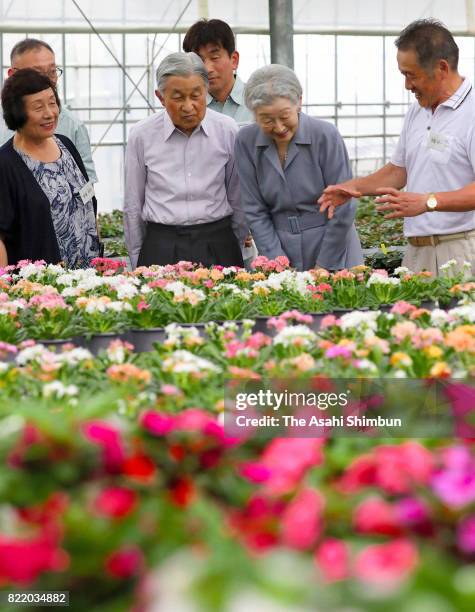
[(432, 257)]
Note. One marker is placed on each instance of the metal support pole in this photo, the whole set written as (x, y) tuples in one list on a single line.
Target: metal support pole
[(281, 24)]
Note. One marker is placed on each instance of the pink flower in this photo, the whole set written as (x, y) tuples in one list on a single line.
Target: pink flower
[(466, 535), (125, 562), (254, 471), (376, 516), (301, 520), (332, 559), (170, 390), (157, 423), (396, 469), (109, 439), (386, 565), (338, 350), (402, 308), (288, 460), (328, 321), (23, 561), (258, 340), (462, 399), (454, 484), (412, 513), (115, 502), (142, 305), (193, 420)]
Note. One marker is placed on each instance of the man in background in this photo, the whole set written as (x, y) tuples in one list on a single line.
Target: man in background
[(38, 55), (214, 42)]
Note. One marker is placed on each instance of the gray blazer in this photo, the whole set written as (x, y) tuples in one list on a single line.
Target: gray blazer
[(280, 204)]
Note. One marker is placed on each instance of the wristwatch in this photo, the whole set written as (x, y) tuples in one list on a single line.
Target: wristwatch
[(431, 203)]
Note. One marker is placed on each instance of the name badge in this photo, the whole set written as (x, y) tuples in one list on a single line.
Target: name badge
[(438, 142), (87, 192)]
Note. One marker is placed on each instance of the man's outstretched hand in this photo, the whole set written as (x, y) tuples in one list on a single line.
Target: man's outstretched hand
[(336, 195), (400, 203)]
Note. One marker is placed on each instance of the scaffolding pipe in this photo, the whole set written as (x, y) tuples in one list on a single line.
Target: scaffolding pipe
[(281, 32)]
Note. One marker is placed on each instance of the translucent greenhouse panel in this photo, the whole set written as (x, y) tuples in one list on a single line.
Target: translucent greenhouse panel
[(254, 51), (314, 57), (109, 163), (466, 57), (360, 69)]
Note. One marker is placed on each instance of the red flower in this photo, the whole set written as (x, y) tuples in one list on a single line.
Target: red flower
[(157, 423), (386, 564), (183, 492), (376, 516), (301, 521), (22, 561), (140, 467), (115, 502), (332, 559), (125, 562)]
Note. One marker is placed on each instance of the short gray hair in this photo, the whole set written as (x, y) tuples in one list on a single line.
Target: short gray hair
[(271, 82), (180, 64)]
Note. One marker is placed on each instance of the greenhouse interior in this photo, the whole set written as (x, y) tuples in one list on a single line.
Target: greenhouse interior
[(237, 341)]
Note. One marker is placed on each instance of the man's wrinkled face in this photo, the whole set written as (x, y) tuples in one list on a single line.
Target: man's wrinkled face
[(40, 59), (184, 99), (425, 85), (220, 66)]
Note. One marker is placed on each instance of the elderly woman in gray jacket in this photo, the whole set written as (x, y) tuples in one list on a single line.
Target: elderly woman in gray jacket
[(285, 160)]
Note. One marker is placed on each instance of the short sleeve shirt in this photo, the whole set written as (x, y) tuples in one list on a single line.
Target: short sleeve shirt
[(438, 152)]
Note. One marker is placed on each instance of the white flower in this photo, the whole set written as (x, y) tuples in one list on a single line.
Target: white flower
[(70, 292), (381, 279), (466, 313), (59, 390), (30, 270), (74, 356), (116, 352), (358, 319), (366, 364), (401, 270), (33, 353), (185, 362), (54, 269), (399, 374), (3, 366), (295, 334), (448, 264), (439, 317)]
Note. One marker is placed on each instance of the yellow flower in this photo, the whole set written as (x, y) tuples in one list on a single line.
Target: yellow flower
[(433, 352), (216, 275), (399, 358), (440, 370), (261, 291)]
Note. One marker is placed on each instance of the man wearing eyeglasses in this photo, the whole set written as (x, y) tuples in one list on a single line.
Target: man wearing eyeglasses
[(37, 54)]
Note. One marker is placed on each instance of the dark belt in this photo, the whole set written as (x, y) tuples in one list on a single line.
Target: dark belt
[(420, 241), (296, 224), (183, 230)]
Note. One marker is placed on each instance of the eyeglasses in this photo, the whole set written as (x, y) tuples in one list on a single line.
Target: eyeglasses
[(53, 73)]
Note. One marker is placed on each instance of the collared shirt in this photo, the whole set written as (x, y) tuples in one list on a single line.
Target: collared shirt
[(175, 179), (234, 105), (438, 151), (71, 127)]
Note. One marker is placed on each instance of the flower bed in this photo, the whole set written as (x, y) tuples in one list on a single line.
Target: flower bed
[(46, 302), (116, 465)]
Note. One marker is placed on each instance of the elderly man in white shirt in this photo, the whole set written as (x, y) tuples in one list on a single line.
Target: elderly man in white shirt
[(182, 199), (434, 158)]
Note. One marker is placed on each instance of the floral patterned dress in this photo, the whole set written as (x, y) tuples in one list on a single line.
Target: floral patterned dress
[(74, 222)]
